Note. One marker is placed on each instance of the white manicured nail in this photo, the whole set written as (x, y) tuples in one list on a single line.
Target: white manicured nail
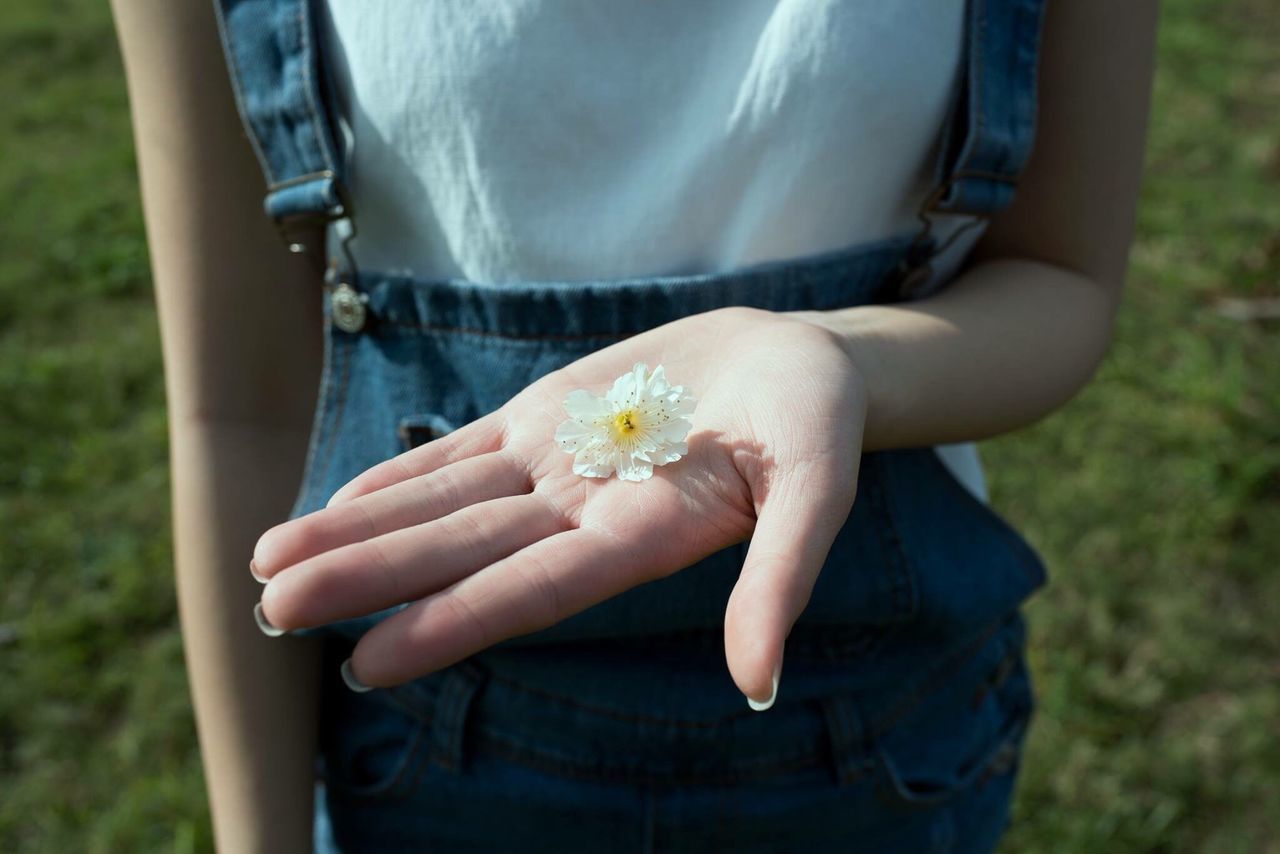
[(253, 570), (265, 624), (350, 678), (760, 707)]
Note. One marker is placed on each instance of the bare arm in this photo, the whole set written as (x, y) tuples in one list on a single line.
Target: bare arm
[(1025, 327), (240, 322)]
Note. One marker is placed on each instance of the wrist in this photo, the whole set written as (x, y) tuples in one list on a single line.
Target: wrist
[(854, 331)]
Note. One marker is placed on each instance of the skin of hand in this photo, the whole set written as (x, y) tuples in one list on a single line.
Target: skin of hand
[(495, 536)]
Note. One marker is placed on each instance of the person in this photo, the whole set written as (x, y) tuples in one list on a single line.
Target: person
[(859, 235)]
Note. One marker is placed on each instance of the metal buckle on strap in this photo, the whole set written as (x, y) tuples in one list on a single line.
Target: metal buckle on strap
[(940, 192), (349, 307), (291, 227), (916, 268)]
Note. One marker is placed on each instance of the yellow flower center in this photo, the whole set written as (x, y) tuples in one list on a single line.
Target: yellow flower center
[(624, 427)]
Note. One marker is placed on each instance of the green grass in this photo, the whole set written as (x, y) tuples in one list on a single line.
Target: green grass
[(1155, 495)]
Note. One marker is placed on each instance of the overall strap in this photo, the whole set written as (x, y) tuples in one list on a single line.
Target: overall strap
[(989, 131), (271, 48), (275, 68), (992, 125)]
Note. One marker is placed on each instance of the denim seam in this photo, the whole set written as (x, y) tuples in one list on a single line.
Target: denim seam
[(1005, 749), (852, 257), (806, 642), (237, 86), (390, 789), (961, 172), (841, 738), (318, 420), (496, 746), (784, 757), (308, 50), (897, 562), (984, 175), (425, 713), (453, 708), (430, 329), (339, 403), (683, 723), (948, 666), (980, 38)]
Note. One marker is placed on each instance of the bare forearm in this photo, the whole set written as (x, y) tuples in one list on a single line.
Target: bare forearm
[(1011, 340), (255, 697), (1002, 346), (241, 332)]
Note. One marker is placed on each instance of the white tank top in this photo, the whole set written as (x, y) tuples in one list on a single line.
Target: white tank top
[(571, 140)]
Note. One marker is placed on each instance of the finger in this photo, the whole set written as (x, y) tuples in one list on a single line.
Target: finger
[(534, 588), (406, 564), (792, 538), (481, 436), (401, 505)]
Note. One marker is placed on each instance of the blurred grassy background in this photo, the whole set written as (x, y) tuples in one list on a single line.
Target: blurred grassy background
[(1155, 495)]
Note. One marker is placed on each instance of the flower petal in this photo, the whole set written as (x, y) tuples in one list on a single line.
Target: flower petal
[(658, 385), (658, 423), (635, 470), (584, 407), (624, 391)]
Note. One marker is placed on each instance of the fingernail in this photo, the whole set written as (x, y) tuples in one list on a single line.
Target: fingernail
[(760, 707), (350, 678), (253, 570), (265, 624)]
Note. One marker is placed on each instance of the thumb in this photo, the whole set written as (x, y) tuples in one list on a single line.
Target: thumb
[(797, 522)]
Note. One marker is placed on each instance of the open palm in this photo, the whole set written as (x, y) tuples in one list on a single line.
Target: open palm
[(490, 529)]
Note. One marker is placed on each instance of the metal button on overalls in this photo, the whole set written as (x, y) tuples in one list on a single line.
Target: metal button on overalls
[(349, 312)]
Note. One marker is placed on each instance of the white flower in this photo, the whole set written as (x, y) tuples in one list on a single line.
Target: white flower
[(640, 423)]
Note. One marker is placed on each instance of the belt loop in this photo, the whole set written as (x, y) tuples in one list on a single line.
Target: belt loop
[(846, 733), (449, 718)]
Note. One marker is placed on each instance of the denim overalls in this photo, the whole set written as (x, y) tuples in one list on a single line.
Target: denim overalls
[(904, 696)]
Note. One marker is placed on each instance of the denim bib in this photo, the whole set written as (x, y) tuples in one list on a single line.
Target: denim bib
[(921, 574)]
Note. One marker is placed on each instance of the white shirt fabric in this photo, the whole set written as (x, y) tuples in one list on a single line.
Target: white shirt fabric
[(573, 140)]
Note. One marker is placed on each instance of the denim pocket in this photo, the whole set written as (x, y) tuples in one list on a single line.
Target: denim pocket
[(372, 750), (968, 730), (418, 429)]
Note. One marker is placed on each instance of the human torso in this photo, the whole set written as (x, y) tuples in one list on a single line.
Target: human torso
[(548, 140)]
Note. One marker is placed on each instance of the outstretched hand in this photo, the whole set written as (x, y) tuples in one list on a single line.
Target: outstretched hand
[(495, 536)]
